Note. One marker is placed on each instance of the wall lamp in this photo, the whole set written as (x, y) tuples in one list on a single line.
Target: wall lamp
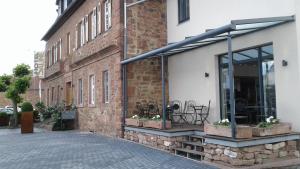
[(284, 63)]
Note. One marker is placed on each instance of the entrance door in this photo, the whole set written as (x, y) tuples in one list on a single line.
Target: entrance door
[(69, 96), (254, 85)]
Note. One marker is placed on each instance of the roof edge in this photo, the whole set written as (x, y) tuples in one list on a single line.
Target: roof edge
[(62, 19)]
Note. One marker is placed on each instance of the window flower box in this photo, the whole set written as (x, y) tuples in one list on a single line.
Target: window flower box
[(157, 124), (225, 131), (275, 129)]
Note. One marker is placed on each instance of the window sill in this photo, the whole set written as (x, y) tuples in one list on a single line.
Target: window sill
[(92, 106), (80, 106), (183, 22)]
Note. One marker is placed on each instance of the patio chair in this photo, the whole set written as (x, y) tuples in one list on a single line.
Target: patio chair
[(176, 114), (189, 112), (203, 112)]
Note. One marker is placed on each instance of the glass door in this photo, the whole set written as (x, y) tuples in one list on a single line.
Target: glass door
[(254, 85)]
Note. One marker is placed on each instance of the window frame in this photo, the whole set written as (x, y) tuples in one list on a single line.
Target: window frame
[(92, 90), (107, 15), (183, 15), (80, 93), (106, 86)]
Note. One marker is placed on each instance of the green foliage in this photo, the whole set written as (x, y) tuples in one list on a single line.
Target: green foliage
[(3, 115), (26, 107), (41, 108), (22, 84), (21, 70), (6, 79), (224, 122), (11, 93), (36, 115), (3, 87), (269, 123)]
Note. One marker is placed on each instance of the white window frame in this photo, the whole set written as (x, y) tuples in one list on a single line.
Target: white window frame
[(60, 49), (69, 43), (82, 34), (94, 23), (50, 57), (106, 86), (99, 24), (107, 15), (80, 92), (92, 90), (86, 28)]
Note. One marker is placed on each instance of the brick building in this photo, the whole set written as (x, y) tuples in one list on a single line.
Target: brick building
[(83, 53)]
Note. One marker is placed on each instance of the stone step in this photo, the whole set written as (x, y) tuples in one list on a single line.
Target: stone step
[(197, 143), (188, 151), (197, 136)]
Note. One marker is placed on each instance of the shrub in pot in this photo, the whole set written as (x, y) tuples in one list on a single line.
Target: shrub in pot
[(157, 122), (272, 126), (27, 118)]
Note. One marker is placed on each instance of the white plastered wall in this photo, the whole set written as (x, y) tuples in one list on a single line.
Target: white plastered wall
[(210, 14), (187, 80)]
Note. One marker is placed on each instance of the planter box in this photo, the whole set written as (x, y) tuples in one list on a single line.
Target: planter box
[(281, 128), (158, 124), (134, 122), (241, 131), (27, 122), (4, 121)]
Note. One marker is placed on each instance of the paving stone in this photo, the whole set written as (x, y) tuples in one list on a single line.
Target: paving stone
[(75, 150)]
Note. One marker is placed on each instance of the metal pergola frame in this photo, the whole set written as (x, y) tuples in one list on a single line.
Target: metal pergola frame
[(235, 29)]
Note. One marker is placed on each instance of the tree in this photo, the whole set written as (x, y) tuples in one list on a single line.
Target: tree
[(14, 86)]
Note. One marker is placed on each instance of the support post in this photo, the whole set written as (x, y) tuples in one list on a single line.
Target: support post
[(231, 86), (163, 87)]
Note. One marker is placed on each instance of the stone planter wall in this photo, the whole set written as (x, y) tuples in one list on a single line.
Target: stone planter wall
[(156, 141), (247, 156)]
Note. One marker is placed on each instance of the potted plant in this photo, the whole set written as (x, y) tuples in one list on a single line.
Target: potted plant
[(223, 128), (3, 119), (271, 126), (156, 122), (134, 121), (27, 118)]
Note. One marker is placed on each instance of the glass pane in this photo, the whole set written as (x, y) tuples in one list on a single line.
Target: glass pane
[(224, 84), (267, 51), (269, 87)]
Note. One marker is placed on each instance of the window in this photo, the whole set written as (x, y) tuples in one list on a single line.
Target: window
[(94, 23), (80, 92), (99, 24), (52, 95), (86, 28), (107, 14), (68, 44), (48, 97), (183, 10), (106, 87), (60, 48), (58, 94), (92, 90), (82, 37)]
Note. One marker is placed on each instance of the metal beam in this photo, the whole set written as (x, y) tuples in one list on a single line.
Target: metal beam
[(163, 87), (263, 20), (200, 37), (231, 86)]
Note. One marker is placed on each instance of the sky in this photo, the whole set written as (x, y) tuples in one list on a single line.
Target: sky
[(23, 24)]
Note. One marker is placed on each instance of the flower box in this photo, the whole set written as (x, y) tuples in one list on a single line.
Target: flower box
[(280, 128), (158, 124), (134, 122), (225, 131)]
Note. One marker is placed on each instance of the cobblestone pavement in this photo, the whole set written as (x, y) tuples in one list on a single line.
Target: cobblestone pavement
[(74, 150)]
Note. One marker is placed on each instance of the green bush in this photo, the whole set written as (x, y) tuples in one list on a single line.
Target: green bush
[(26, 107), (3, 114)]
